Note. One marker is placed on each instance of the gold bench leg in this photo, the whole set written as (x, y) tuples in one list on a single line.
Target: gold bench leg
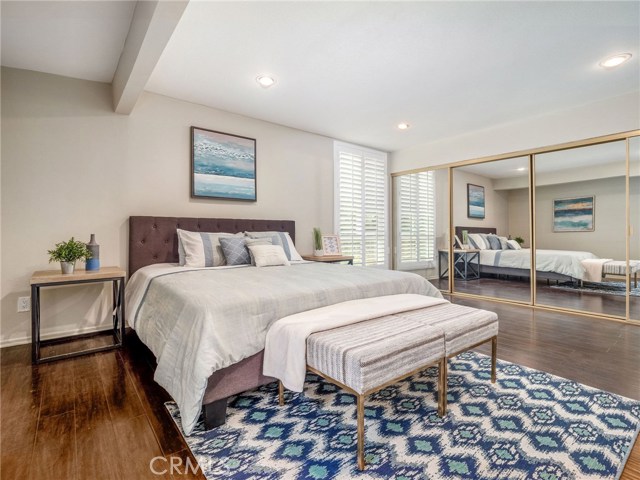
[(442, 387), (280, 393), (494, 353), (360, 415)]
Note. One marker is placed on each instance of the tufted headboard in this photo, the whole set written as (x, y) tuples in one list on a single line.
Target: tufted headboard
[(154, 239)]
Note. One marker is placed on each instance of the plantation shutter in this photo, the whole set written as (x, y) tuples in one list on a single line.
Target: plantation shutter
[(361, 204), (416, 239)]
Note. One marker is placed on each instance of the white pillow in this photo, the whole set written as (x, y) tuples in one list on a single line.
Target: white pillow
[(281, 238), (268, 255), (201, 249), (478, 241), (503, 242), (514, 245)]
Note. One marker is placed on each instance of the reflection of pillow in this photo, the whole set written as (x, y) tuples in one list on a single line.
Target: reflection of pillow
[(503, 243), (477, 242), (257, 241), (268, 255), (235, 250), (513, 245), (201, 249), (494, 242), (282, 238)]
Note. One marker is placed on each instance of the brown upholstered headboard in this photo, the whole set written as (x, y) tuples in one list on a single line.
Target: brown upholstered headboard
[(474, 230), (154, 239)]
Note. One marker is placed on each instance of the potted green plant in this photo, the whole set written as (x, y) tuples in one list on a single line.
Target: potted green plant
[(67, 253), (317, 242), (520, 240)]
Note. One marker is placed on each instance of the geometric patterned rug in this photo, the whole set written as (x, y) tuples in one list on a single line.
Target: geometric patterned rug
[(610, 288), (529, 425)]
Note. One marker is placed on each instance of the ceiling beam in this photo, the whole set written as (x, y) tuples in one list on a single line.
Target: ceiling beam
[(151, 28)]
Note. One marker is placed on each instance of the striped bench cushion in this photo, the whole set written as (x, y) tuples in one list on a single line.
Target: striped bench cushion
[(618, 267), (368, 354), (463, 326)]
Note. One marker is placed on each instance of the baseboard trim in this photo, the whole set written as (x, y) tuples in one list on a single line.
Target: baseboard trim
[(51, 334)]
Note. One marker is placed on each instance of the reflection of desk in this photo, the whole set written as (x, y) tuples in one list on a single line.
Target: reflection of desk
[(466, 264)]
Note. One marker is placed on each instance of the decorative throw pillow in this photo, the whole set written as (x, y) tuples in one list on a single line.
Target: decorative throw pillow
[(503, 243), (513, 245), (201, 249), (494, 242), (235, 250), (282, 238), (476, 241), (268, 255), (257, 241)]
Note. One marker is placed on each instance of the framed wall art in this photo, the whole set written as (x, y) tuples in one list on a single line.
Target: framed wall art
[(222, 165), (331, 245), (574, 214), (475, 201)]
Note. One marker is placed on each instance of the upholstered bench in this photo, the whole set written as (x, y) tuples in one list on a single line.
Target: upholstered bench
[(619, 268), (367, 356)]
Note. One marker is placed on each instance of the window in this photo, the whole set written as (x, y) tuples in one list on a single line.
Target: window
[(361, 203), (416, 214)]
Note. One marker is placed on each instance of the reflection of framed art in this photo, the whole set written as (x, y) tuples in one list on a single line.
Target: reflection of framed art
[(331, 245), (222, 165), (574, 214), (475, 201)]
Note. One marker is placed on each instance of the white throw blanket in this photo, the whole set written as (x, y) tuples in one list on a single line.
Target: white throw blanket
[(285, 351), (593, 268)]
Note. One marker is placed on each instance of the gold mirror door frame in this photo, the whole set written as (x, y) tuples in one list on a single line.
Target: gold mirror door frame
[(633, 229)]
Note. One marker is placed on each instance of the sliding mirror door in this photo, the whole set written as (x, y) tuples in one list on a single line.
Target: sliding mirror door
[(580, 212), (634, 223), (421, 223), (491, 214)]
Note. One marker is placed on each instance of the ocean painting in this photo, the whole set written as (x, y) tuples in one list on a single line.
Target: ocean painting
[(224, 165), (475, 201), (573, 214)]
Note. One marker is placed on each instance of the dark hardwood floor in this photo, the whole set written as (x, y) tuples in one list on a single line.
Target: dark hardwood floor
[(102, 416), (515, 288)]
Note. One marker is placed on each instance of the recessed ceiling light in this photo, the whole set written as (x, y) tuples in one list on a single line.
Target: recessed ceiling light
[(403, 126), (265, 81), (615, 60)]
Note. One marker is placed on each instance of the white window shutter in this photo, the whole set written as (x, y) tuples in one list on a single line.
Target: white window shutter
[(416, 210), (361, 204)]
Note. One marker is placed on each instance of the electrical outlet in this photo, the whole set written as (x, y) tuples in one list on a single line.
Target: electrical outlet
[(24, 304)]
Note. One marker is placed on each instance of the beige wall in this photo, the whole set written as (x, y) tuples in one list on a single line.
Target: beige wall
[(70, 166), (618, 114), (496, 204)]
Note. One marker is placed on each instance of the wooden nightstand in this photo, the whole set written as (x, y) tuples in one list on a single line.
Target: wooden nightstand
[(329, 259), (53, 278)]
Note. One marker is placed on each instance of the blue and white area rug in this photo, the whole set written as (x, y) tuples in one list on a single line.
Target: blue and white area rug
[(529, 425), (608, 288)]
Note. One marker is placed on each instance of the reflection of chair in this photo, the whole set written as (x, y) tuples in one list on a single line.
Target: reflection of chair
[(618, 268)]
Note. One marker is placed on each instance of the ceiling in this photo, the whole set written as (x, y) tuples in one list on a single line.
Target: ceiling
[(353, 70)]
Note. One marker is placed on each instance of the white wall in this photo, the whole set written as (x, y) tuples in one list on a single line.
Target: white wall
[(73, 167), (613, 115)]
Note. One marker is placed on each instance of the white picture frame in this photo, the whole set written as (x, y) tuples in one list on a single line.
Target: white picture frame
[(331, 245)]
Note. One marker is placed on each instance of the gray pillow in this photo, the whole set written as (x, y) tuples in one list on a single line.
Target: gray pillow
[(235, 250), (494, 242)]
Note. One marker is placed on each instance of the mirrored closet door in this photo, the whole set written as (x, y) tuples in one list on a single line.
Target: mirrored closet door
[(580, 224), (491, 222), (634, 228), (421, 224)]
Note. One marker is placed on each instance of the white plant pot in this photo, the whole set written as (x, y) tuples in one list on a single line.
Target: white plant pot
[(318, 253), (67, 267)]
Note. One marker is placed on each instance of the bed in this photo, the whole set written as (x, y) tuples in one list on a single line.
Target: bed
[(561, 265), (207, 326)]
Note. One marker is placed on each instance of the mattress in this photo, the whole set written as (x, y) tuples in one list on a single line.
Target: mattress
[(565, 262)]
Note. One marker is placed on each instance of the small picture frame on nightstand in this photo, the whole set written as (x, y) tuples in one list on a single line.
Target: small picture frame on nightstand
[(331, 245)]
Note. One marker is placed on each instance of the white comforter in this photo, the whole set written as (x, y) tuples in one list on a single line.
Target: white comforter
[(197, 321), (565, 262), (285, 349)]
